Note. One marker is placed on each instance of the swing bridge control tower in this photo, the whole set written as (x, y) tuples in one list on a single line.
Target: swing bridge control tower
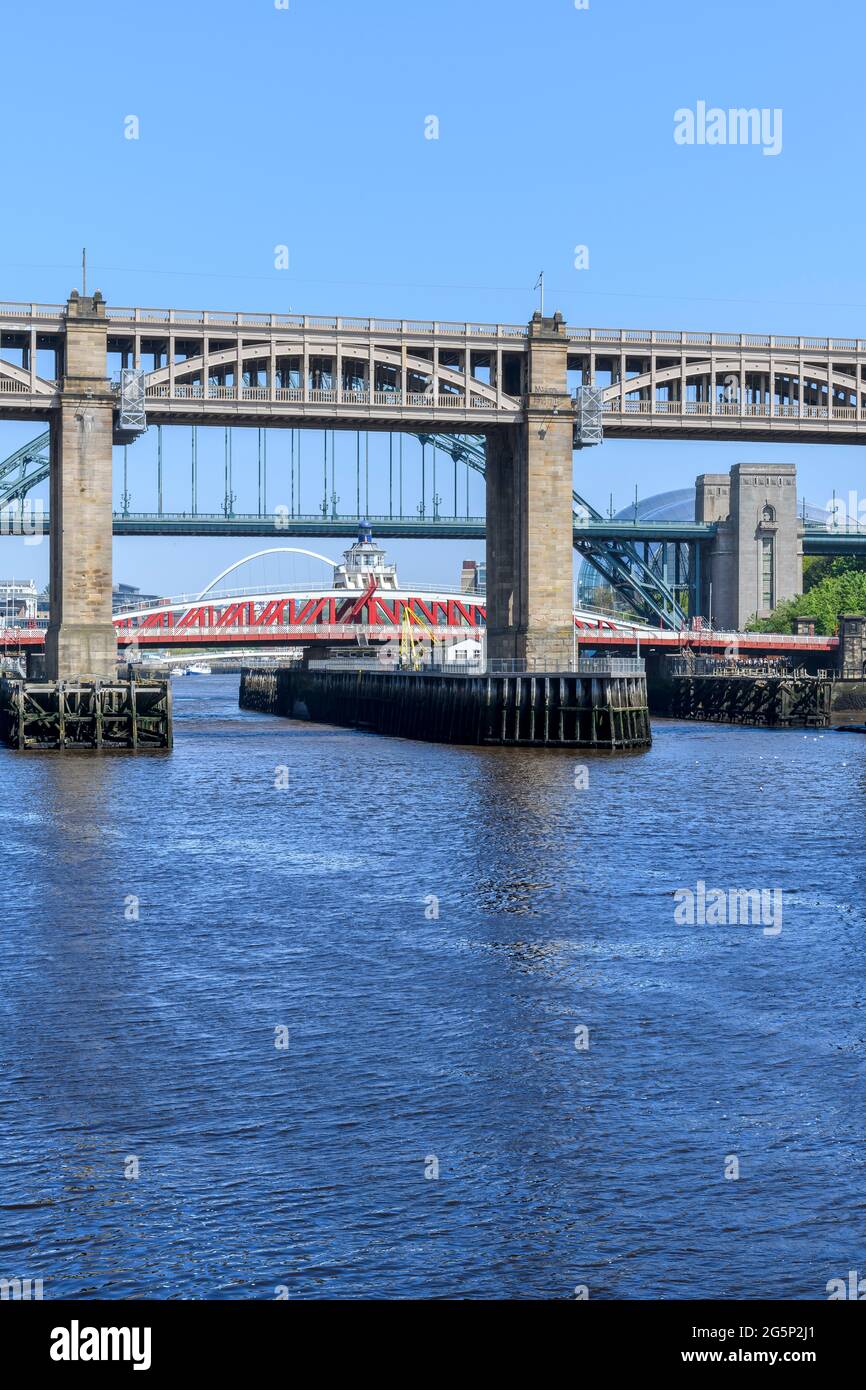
[(402, 375)]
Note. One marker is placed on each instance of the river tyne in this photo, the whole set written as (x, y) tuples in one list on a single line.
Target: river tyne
[(302, 1012)]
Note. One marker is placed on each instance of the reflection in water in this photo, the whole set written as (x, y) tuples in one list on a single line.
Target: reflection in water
[(530, 810), (150, 1034)]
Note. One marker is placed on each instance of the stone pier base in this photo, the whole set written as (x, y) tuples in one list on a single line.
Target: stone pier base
[(85, 649)]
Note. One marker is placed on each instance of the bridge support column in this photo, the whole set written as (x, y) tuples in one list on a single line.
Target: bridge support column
[(81, 640), (529, 515)]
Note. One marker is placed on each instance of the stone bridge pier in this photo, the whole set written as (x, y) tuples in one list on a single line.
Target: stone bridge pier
[(81, 641), (529, 514)]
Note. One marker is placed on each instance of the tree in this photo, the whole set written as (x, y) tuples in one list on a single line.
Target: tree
[(836, 587), (818, 568)]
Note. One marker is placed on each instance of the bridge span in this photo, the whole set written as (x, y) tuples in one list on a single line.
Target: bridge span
[(327, 371), (531, 391), (278, 621)]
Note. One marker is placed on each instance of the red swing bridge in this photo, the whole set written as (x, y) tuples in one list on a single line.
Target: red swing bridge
[(365, 605)]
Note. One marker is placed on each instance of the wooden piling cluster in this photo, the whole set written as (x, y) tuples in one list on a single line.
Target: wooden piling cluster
[(85, 714), (532, 710), (783, 701)]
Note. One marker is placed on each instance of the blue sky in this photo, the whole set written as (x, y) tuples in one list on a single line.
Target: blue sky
[(261, 126)]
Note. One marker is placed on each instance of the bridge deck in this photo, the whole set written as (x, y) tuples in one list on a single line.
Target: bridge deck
[(325, 371)]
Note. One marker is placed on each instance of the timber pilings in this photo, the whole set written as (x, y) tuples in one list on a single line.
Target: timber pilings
[(784, 701), (65, 715)]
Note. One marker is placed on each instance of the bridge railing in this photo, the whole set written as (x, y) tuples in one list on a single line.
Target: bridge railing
[(748, 667), (445, 328), (282, 520), (717, 637), (317, 322), (667, 337), (157, 636), (474, 666), (455, 400), (584, 666), (829, 527), (11, 309), (747, 409)]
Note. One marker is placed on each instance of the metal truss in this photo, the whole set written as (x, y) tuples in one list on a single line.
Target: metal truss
[(24, 469), (589, 416), (132, 418)]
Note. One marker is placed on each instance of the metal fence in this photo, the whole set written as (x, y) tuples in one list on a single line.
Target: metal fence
[(585, 666), (496, 666), (707, 666)]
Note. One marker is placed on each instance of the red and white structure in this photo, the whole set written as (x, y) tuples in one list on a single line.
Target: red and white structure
[(365, 604)]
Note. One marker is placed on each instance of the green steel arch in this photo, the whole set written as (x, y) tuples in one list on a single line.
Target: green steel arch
[(24, 469)]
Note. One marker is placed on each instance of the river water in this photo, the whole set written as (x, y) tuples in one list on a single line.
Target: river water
[(300, 1011)]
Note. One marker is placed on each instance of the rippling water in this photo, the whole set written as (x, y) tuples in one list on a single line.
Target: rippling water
[(416, 1039)]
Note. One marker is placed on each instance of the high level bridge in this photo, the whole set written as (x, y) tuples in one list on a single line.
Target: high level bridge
[(531, 391), (207, 367)]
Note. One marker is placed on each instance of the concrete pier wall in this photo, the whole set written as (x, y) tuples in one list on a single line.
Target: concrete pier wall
[(756, 558), (572, 711), (529, 513)]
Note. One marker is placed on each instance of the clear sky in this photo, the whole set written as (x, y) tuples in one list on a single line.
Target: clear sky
[(305, 126)]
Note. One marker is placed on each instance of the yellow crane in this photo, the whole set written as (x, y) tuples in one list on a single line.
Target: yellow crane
[(412, 648)]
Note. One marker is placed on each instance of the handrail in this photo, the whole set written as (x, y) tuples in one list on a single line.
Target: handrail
[(315, 395), (415, 327), (223, 597)]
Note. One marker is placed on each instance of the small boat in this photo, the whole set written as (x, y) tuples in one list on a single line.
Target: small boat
[(178, 671), (199, 668)]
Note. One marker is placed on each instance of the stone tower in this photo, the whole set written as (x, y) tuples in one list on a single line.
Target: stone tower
[(756, 560)]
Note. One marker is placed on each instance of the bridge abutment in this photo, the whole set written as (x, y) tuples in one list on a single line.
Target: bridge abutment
[(529, 514), (81, 640)]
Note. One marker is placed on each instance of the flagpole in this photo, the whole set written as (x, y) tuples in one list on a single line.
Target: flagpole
[(539, 285)]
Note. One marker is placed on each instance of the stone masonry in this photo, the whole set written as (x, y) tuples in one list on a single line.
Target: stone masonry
[(529, 514), (81, 640), (756, 560)]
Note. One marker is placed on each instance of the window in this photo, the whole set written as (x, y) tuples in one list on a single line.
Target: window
[(768, 515), (767, 576)]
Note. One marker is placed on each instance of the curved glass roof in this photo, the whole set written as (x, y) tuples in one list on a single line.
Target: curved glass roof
[(679, 505)]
